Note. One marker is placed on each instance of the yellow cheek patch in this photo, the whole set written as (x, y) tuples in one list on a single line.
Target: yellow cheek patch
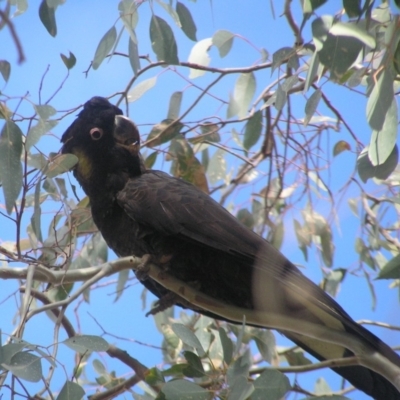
[(85, 165)]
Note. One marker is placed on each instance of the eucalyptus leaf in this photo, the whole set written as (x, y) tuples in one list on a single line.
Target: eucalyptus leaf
[(163, 41), (85, 343), (104, 47), (186, 19), (10, 164)]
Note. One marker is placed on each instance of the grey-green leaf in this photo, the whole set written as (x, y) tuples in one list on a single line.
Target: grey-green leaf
[(133, 54), (5, 69), (37, 131), (48, 17), (85, 343), (175, 105), (181, 389), (141, 88), (45, 111), (70, 61), (245, 87), (71, 391), (223, 40), (122, 279), (26, 366), (188, 25), (311, 105), (241, 389), (281, 97), (383, 141), (227, 345), (104, 47), (253, 130), (352, 8), (10, 164), (380, 99), (280, 56), (188, 337), (270, 385), (60, 164), (163, 41), (391, 270), (366, 170)]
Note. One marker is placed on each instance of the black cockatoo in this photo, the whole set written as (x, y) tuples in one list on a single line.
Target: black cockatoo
[(146, 212)]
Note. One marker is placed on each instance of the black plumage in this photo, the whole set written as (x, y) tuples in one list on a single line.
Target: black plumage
[(141, 212)]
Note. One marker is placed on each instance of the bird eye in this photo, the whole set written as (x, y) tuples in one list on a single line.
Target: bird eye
[(96, 133)]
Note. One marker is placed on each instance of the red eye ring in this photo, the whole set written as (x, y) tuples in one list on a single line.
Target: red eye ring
[(96, 133)]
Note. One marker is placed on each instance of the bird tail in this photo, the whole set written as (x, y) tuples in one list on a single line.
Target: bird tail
[(370, 382)]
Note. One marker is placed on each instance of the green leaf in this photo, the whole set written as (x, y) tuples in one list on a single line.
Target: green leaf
[(270, 385), (60, 164), (140, 89), (199, 55), (265, 341), (122, 279), (339, 53), (353, 30), (227, 345), (45, 111), (312, 71), (48, 17), (217, 167), (380, 99), (281, 97), (170, 10), (151, 159), (160, 134), (188, 25), (129, 16), (37, 131), (320, 29), (194, 361), (26, 366), (9, 350), (188, 337), (252, 130), (391, 270), (311, 105), (85, 343), (240, 367), (104, 47), (332, 280), (327, 246), (163, 41), (10, 164), (71, 391), (36, 216), (311, 5), (175, 105), (383, 141), (133, 54), (366, 170), (99, 366), (181, 389), (352, 8), (5, 69), (281, 56), (223, 40), (241, 389), (69, 61), (277, 235), (245, 88)]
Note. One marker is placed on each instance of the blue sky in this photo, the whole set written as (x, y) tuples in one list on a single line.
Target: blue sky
[(81, 25)]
